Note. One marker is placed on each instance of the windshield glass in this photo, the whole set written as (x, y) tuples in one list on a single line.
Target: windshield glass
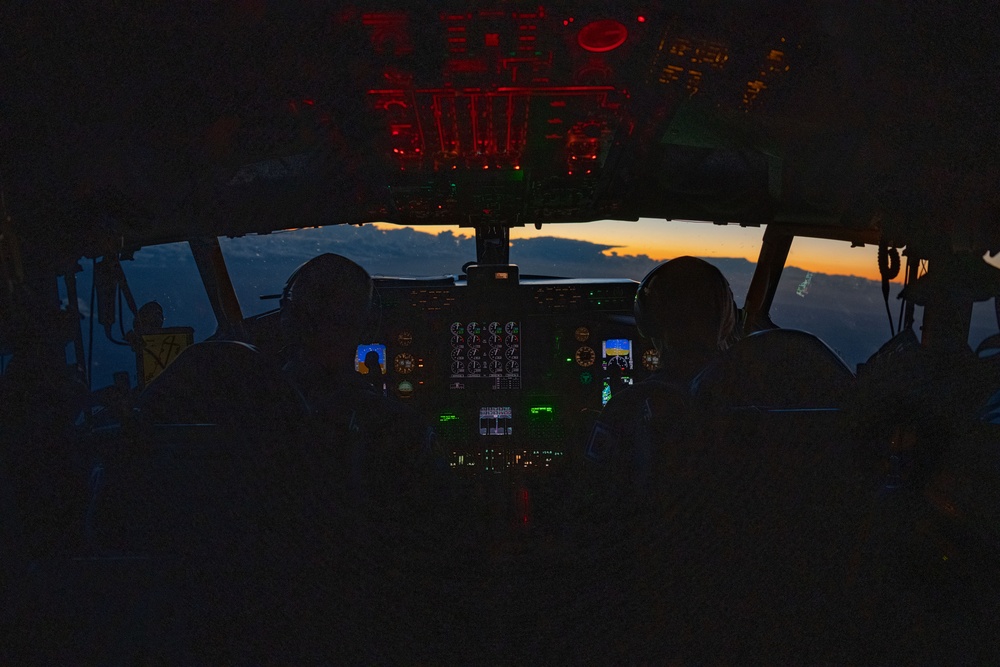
[(827, 288)]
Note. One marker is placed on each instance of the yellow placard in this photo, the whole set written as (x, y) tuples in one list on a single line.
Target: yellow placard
[(161, 348)]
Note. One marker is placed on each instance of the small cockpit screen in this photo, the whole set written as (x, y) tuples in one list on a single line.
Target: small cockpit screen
[(616, 361), (489, 349), (363, 350), (495, 421)]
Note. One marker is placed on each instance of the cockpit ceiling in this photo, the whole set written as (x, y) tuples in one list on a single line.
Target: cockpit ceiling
[(166, 121)]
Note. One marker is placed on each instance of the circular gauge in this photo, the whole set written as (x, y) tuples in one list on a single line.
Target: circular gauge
[(475, 367), (472, 328), (457, 339), (581, 334), (404, 338), (404, 363), (496, 367), (585, 356), (456, 327), (496, 339), (650, 360), (495, 353), (457, 367), (602, 36), (473, 339), (456, 353), (474, 353), (510, 328), (405, 388), (510, 339), (510, 352), (494, 328), (616, 360), (513, 366)]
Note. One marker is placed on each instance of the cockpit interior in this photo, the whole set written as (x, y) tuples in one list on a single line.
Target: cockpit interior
[(128, 490)]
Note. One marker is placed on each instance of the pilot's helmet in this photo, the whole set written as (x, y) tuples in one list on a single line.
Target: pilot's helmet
[(686, 304), (328, 295)]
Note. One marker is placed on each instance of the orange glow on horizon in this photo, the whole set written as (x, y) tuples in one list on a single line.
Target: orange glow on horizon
[(661, 241)]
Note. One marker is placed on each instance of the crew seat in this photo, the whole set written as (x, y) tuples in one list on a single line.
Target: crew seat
[(781, 504), (199, 452)]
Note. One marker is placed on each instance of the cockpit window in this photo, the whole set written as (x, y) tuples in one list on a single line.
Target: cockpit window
[(837, 296), (166, 274), (259, 265)]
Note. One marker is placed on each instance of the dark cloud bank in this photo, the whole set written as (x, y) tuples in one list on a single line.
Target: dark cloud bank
[(845, 311)]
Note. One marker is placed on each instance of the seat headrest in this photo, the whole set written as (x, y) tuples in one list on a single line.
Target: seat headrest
[(776, 368)]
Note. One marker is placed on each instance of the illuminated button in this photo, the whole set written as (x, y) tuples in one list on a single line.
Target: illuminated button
[(650, 360), (585, 356), (586, 377), (582, 334), (403, 363), (404, 338)]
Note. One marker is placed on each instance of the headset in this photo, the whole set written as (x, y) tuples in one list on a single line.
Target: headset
[(652, 298), (298, 313)]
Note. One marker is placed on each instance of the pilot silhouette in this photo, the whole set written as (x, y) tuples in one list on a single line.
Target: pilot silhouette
[(635, 474), (363, 477), (686, 308)]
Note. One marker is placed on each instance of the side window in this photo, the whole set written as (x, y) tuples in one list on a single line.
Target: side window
[(839, 300), (166, 274), (984, 322)]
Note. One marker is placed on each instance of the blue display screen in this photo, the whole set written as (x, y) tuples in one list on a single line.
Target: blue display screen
[(363, 350)]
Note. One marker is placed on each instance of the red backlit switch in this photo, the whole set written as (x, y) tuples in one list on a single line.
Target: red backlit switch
[(492, 39)]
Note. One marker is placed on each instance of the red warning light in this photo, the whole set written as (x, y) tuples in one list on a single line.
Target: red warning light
[(602, 36), (641, 19)]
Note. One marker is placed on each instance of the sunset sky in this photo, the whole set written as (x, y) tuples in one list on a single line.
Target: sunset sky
[(660, 240)]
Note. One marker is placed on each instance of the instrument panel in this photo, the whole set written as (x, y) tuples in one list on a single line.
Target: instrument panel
[(510, 379)]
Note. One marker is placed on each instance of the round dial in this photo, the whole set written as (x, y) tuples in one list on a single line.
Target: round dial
[(495, 353), (404, 338), (495, 339), (473, 339), (581, 334), (494, 328), (585, 356), (650, 360), (472, 328), (510, 328), (496, 366), (510, 352), (475, 367), (457, 367), (404, 363), (510, 339), (456, 327), (457, 339), (457, 353), (512, 366), (473, 353)]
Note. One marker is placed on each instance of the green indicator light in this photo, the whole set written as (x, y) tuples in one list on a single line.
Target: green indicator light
[(540, 409), (448, 418), (586, 377), (569, 359)]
